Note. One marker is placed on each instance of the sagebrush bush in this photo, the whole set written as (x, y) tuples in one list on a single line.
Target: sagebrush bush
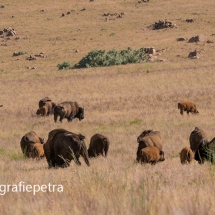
[(19, 53), (64, 65), (98, 58)]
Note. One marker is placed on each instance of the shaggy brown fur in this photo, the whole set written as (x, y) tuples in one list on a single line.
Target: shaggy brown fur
[(27, 143), (99, 145), (196, 137), (63, 146), (37, 151), (186, 155), (149, 138), (151, 154), (48, 146), (190, 107), (43, 101), (47, 103)]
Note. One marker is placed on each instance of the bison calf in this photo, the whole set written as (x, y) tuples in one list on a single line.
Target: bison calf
[(190, 107), (149, 138), (186, 155), (46, 107), (151, 154), (43, 111), (99, 145)]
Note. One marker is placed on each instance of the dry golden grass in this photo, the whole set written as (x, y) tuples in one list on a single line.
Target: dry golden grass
[(119, 102)]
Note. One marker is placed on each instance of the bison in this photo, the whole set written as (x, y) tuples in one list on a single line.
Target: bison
[(63, 146), (99, 145), (188, 106), (205, 151), (46, 107), (30, 145), (1, 105), (186, 155), (150, 154), (68, 110), (196, 137), (149, 138), (43, 111)]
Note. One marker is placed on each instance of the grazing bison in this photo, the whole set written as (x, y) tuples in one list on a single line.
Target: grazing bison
[(190, 107), (29, 145), (205, 152), (1, 105), (149, 138), (186, 155), (43, 111), (46, 107), (63, 146), (99, 145), (150, 154), (68, 110), (196, 137)]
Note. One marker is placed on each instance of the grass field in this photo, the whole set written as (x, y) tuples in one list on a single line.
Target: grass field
[(120, 102)]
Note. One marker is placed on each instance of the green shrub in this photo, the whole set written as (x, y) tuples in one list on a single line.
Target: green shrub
[(64, 65), (98, 58)]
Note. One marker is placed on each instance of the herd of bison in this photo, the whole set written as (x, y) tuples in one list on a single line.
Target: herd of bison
[(62, 146)]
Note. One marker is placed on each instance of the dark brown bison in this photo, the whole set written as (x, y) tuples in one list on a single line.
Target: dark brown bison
[(99, 145), (29, 145), (46, 107), (68, 110), (149, 138), (190, 107), (186, 155), (1, 105), (63, 146), (205, 152), (150, 154), (196, 137)]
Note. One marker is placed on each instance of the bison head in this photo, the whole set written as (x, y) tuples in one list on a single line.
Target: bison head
[(143, 134), (80, 114)]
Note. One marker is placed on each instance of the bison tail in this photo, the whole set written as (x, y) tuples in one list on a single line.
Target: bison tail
[(106, 146)]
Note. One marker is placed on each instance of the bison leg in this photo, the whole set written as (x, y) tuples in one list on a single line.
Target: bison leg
[(61, 118), (70, 118), (55, 117), (153, 162), (106, 147)]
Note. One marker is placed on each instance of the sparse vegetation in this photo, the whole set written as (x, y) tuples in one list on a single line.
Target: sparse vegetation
[(64, 65), (120, 102), (19, 53)]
